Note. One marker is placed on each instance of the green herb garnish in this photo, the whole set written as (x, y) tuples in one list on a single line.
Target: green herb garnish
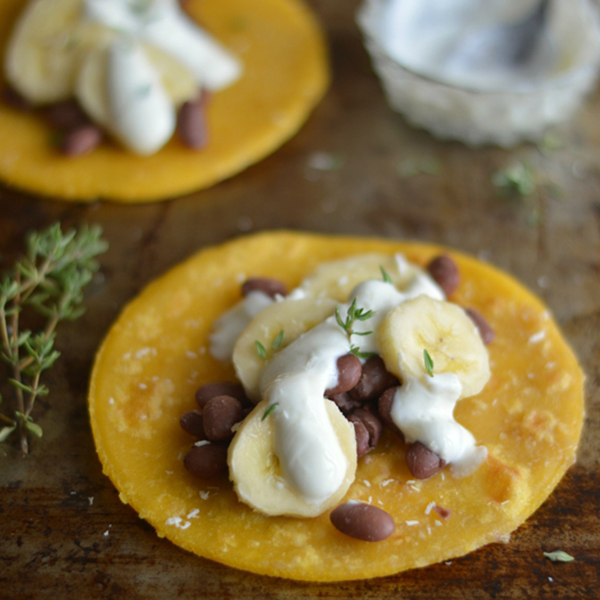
[(386, 277), (269, 410), (49, 279), (515, 179), (260, 349), (354, 314), (559, 556), (428, 362), (277, 341)]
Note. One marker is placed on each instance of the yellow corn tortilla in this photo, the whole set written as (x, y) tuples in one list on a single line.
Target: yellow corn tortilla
[(529, 416), (285, 75)]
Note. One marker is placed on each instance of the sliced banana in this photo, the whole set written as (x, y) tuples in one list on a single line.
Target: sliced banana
[(448, 335), (336, 279), (293, 318), (91, 87), (46, 48), (257, 477)]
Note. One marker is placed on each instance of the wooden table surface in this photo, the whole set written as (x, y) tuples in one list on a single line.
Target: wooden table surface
[(56, 506)]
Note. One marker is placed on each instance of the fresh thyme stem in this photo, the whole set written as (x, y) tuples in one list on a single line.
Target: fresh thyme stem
[(49, 279)]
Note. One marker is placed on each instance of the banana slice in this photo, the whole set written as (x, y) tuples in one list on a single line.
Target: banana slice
[(336, 279), (47, 47), (293, 318), (256, 474), (92, 92), (448, 335)]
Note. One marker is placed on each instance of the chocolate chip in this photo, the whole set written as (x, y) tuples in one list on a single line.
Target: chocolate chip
[(384, 408), (268, 286), (192, 423), (222, 388), (191, 123), (219, 415), (422, 462), (207, 461), (66, 115), (445, 273), (80, 141), (362, 521), (374, 380), (485, 331), (349, 371)]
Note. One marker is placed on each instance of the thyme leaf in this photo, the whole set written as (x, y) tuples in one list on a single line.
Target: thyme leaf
[(559, 556), (354, 314), (270, 410), (48, 280), (386, 277), (428, 362), (260, 349)]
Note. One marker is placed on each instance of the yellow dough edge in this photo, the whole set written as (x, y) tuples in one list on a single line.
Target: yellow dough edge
[(285, 75), (529, 416)]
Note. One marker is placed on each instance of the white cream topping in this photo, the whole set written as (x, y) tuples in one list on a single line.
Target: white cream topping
[(474, 44), (163, 24), (423, 410), (229, 326), (140, 112)]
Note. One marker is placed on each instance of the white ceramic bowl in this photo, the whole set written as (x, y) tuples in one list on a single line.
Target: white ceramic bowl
[(500, 117)]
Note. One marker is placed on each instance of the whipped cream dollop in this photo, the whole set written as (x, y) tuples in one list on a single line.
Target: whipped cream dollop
[(495, 45), (296, 378)]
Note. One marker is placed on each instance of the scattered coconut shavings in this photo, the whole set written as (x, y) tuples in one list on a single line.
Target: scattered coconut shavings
[(559, 556), (193, 514), (178, 522), (191, 354), (91, 500), (201, 443), (204, 495), (430, 507), (412, 523), (386, 482), (537, 337)]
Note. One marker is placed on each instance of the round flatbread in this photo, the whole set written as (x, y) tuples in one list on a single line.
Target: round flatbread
[(529, 416), (285, 74)]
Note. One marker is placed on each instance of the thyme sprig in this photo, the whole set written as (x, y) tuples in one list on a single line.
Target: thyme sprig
[(354, 314), (49, 280), (428, 362)]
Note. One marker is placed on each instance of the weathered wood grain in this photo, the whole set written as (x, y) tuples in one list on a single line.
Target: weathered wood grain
[(63, 531)]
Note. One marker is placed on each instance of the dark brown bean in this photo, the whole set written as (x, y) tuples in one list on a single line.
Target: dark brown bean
[(66, 115), (349, 371), (222, 388), (372, 423), (485, 331), (422, 462), (207, 461), (374, 380), (192, 423), (81, 140), (268, 286), (344, 402), (445, 273), (220, 414), (12, 98), (384, 408), (362, 521), (191, 123), (362, 436)]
